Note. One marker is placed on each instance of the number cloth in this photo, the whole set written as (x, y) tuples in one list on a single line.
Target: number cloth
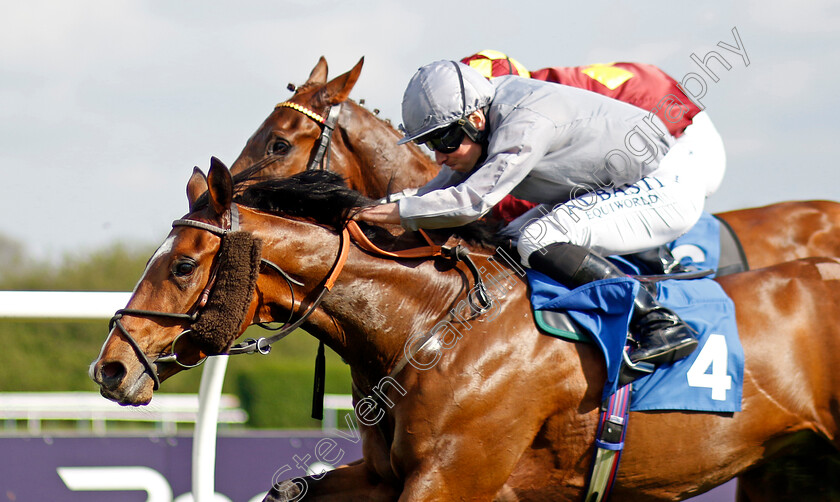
[(710, 379)]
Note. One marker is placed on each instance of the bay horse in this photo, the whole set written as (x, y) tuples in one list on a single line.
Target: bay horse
[(364, 151), (504, 413)]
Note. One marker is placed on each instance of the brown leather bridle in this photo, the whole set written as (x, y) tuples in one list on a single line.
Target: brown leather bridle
[(261, 345)]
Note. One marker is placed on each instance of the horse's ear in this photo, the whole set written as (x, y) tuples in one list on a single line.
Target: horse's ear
[(196, 186), (337, 90), (319, 73), (220, 186)]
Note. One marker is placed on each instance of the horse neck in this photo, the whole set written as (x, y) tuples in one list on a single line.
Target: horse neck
[(380, 166), (388, 308), (369, 298), (359, 318)]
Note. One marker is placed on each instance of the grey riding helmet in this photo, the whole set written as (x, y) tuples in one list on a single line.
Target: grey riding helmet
[(437, 96)]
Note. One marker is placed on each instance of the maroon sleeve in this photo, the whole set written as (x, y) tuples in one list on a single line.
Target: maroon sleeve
[(510, 207), (639, 84)]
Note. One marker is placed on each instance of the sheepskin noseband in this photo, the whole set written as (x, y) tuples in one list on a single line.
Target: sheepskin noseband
[(219, 322)]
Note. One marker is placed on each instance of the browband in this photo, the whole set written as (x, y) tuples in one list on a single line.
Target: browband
[(302, 109)]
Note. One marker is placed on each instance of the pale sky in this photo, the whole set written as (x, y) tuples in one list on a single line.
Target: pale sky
[(105, 106)]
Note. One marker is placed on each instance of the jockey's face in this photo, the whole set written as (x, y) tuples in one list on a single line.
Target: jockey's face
[(464, 159)]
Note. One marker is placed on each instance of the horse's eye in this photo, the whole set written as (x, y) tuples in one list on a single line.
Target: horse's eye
[(183, 268), (279, 147)]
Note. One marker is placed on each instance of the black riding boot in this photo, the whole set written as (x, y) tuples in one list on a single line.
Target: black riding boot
[(656, 261), (662, 336)]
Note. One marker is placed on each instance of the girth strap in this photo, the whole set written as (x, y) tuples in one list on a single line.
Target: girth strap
[(733, 259), (609, 443)]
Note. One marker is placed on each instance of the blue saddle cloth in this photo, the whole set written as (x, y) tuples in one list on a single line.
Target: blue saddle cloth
[(700, 246), (710, 379)]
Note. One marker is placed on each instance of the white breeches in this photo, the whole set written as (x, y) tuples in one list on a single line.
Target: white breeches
[(703, 140), (652, 212)]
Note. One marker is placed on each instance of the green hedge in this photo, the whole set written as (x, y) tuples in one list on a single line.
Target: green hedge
[(281, 397), (275, 390)]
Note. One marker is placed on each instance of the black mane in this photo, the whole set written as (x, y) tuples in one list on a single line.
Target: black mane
[(320, 195), (325, 197)]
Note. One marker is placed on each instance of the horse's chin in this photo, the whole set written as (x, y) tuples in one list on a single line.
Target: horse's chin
[(138, 393)]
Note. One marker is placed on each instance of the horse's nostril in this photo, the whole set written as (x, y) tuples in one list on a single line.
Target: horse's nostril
[(112, 373)]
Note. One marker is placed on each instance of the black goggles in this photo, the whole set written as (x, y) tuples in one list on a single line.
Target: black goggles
[(447, 141)]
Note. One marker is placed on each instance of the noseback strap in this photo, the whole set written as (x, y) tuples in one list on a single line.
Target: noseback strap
[(317, 117), (220, 320)]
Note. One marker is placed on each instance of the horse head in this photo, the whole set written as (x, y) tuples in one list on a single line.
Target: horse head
[(190, 302), (211, 278), (298, 135)]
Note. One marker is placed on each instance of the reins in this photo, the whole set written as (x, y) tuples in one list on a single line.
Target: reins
[(354, 232), (263, 345), (361, 239), (116, 320)]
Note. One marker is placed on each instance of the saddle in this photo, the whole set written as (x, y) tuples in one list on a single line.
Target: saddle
[(656, 265), (615, 408), (561, 325)]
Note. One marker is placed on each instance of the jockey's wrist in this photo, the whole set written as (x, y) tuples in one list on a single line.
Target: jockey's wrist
[(383, 213)]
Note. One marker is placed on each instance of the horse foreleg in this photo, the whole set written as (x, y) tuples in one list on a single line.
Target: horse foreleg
[(347, 483), (810, 471)]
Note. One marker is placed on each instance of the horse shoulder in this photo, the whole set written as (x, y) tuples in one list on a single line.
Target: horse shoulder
[(789, 324)]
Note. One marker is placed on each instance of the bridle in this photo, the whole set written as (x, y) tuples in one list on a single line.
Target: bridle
[(321, 160), (263, 345), (250, 346)]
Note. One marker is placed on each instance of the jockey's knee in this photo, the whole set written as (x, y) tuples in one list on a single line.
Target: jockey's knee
[(541, 232)]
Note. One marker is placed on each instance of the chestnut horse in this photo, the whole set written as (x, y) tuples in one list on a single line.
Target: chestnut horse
[(503, 413), (364, 151), (363, 148)]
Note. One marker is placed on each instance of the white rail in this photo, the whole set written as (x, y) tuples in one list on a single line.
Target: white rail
[(166, 410), (102, 305), (61, 304), (211, 406)]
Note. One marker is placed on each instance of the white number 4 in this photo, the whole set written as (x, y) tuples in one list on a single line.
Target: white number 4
[(716, 355)]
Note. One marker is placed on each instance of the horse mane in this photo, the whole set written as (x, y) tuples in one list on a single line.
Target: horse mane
[(324, 197), (320, 195)]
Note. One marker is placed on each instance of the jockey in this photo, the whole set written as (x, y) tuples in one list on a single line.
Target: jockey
[(642, 85), (562, 148)]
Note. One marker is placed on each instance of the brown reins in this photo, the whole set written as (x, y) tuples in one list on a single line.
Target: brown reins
[(116, 320), (263, 345), (350, 231), (422, 252)]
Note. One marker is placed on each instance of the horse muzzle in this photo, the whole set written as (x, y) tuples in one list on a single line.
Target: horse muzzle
[(122, 381)]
